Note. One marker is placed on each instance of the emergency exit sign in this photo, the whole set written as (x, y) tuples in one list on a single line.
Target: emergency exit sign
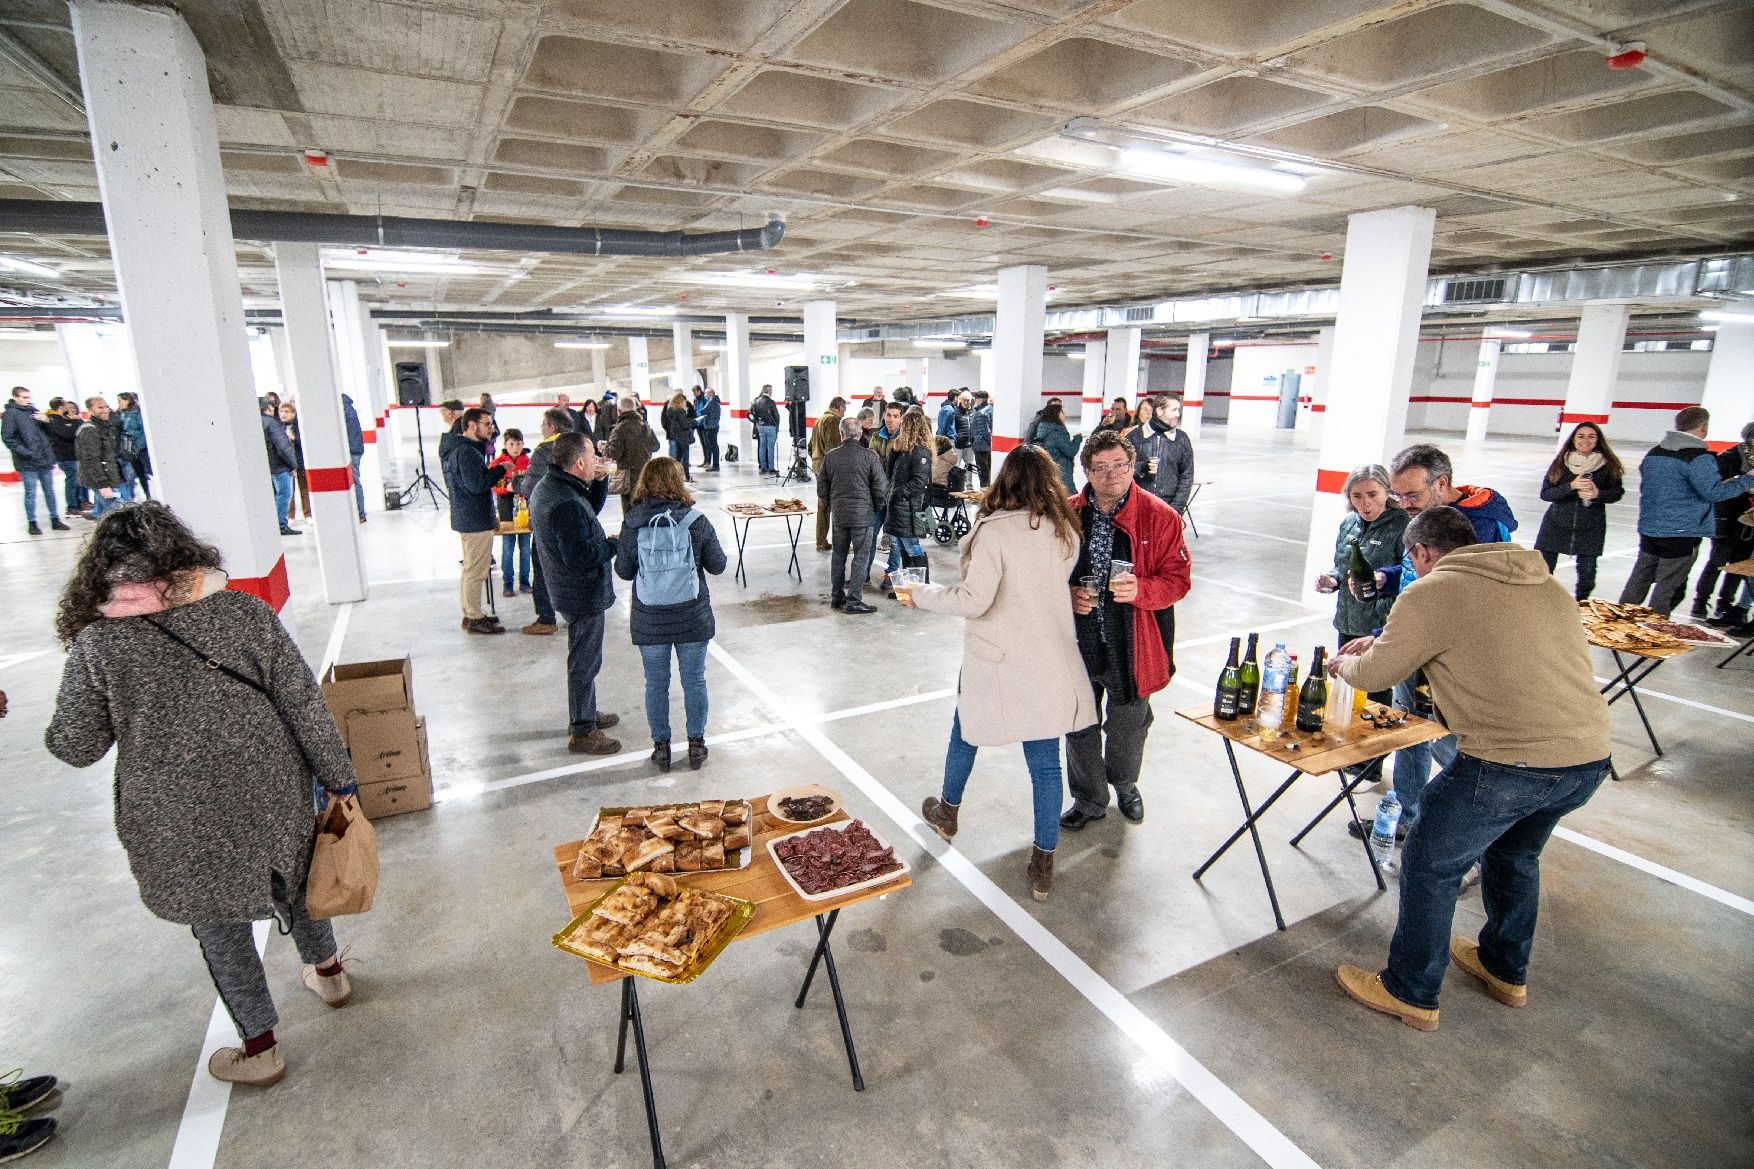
[(828, 359)]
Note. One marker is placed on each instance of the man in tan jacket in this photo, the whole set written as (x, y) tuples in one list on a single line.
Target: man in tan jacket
[(824, 438), (1500, 641)]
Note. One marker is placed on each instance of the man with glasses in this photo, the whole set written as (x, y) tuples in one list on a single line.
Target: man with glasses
[(1125, 622)]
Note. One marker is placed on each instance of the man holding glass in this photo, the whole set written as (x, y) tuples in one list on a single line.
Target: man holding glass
[(1132, 568)]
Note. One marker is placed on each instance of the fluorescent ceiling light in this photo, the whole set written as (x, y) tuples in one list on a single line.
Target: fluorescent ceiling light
[(1497, 334), (636, 310), (581, 344), (26, 335), (1737, 318), (413, 264), (1075, 356), (1207, 172), (401, 343), (29, 269), (711, 347), (928, 343), (802, 281), (984, 292)]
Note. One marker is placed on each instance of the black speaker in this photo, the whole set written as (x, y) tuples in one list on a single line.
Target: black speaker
[(797, 383), (411, 385)]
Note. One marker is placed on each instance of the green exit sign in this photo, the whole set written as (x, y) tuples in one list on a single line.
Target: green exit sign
[(828, 359)]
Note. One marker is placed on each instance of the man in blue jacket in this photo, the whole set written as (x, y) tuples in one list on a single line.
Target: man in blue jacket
[(947, 418), (577, 561), (282, 463), (470, 482), (1679, 487), (355, 449), (32, 457)]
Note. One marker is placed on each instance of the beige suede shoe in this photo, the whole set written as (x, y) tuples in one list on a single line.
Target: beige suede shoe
[(259, 1071), (333, 989), (1466, 955), (1366, 987)]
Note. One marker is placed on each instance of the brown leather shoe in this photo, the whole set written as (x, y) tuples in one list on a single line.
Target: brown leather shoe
[(605, 720), (540, 628), (595, 743), (483, 626), (1366, 987), (1466, 955), (940, 815), (1041, 872)]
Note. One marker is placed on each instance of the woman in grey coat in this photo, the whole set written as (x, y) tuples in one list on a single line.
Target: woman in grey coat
[(212, 793)]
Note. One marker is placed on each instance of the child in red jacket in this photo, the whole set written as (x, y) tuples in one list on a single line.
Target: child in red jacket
[(516, 462)]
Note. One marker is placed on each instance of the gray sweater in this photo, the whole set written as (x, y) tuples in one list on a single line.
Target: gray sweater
[(211, 795)]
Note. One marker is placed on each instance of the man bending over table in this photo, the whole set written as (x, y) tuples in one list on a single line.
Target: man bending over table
[(1501, 644)]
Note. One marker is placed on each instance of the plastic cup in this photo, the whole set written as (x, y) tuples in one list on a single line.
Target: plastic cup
[(1119, 568)]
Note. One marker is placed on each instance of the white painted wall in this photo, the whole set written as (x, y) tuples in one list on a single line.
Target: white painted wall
[(36, 363), (1254, 386)]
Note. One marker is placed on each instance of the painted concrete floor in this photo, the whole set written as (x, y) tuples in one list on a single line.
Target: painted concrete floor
[(1103, 1028)]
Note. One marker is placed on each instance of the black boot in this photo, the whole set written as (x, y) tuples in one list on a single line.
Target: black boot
[(661, 754)]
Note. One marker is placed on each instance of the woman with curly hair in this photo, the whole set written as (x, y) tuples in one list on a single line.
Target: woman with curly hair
[(214, 762), (1022, 679)]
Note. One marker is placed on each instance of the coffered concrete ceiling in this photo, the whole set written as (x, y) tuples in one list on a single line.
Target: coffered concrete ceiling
[(881, 130)]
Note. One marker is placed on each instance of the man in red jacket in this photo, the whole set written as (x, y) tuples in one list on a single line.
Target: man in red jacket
[(1125, 624)]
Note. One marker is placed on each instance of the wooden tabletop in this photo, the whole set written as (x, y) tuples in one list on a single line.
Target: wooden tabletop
[(1740, 568), (1356, 742), (777, 904), (769, 511)]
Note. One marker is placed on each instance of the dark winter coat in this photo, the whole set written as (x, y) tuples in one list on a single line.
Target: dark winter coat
[(1054, 438), (471, 482), (679, 425), (1380, 541), (97, 445), (212, 796), (946, 425), (1569, 528), (1679, 487), (25, 438), (1174, 453), (61, 433), (631, 444), (683, 624), (281, 456), (574, 550), (1729, 511), (852, 485), (964, 424), (910, 482), (764, 412), (710, 411), (980, 428), (355, 433)]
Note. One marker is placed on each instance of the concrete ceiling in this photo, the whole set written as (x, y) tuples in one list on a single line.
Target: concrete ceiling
[(881, 129)]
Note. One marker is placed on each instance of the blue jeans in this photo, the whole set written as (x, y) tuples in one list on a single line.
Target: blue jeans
[(898, 545), (508, 544), (1413, 764), (767, 440), (691, 664), (283, 489), (129, 477), (1043, 758), (75, 494), (33, 480), (584, 659), (358, 487), (101, 506), (679, 452), (1501, 816)]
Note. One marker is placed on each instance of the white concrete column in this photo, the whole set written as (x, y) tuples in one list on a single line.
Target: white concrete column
[(821, 356), (1018, 335), (1376, 334), (599, 371), (1091, 402), (158, 171), (1121, 366), (1595, 366), (1729, 383), (1485, 382), (373, 399), (1321, 384), (1194, 385), (682, 351), (639, 370), (738, 392), (322, 430)]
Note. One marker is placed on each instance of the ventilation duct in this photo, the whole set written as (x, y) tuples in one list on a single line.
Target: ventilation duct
[(388, 231)]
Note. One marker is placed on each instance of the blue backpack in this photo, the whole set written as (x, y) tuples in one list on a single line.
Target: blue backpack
[(667, 575)]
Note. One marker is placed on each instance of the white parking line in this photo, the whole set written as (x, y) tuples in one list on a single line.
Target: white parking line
[(1643, 693), (197, 1143), (1271, 1145), (1212, 527), (1232, 586), (1692, 884)]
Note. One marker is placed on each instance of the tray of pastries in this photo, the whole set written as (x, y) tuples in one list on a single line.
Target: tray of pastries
[(787, 505), (668, 838), (745, 509), (1612, 625), (652, 925)]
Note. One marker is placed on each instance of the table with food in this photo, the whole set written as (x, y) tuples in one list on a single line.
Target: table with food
[(1739, 568), (744, 514), (1640, 640), (659, 892)]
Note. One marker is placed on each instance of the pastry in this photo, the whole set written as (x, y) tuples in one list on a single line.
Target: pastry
[(736, 838), (712, 854), (586, 867), (647, 851), (703, 826), (628, 904)]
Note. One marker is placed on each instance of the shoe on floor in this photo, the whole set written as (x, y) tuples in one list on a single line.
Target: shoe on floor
[(525, 589), (22, 1095), (540, 628), (886, 585), (290, 532), (483, 626), (595, 743), (33, 529), (605, 720), (1074, 819), (59, 526), (1131, 803), (1727, 618), (1366, 987), (1701, 610), (333, 989), (19, 1138), (1360, 829), (508, 591), (259, 1071), (1466, 955), (837, 603), (857, 607), (940, 815), (661, 754), (696, 753), (1041, 872)]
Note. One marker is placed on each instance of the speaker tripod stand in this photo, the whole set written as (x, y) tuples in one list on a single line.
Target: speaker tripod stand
[(422, 481), (800, 468)]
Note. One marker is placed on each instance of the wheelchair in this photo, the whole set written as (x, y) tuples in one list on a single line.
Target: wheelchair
[(950, 514)]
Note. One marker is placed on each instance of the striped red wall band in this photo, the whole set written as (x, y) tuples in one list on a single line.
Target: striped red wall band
[(1005, 445), (11, 477), (369, 435), (272, 589), (329, 478), (1481, 405), (1598, 419), (1193, 403), (739, 413), (1332, 482), (1318, 408)]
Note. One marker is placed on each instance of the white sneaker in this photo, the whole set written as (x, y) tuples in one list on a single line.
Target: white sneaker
[(234, 1067), (333, 989)]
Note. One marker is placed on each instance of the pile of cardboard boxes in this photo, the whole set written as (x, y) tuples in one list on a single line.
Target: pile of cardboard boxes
[(373, 704)]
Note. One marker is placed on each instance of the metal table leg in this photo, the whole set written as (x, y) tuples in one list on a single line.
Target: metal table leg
[(742, 534), (794, 566), (1628, 680), (825, 955), (1348, 787), (1746, 647), (1248, 826), (1188, 510), (630, 1014)]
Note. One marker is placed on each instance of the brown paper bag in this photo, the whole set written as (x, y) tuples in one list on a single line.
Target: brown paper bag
[(344, 863)]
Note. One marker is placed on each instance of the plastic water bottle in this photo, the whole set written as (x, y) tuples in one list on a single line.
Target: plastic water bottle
[(1275, 682), (1382, 833)]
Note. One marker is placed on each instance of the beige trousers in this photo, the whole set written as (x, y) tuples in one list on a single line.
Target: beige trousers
[(477, 566)]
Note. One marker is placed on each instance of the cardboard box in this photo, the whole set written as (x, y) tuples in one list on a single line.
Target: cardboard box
[(393, 797), (386, 744), (357, 686)]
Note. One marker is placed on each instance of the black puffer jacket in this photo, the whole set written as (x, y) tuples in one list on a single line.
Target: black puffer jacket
[(910, 481), (683, 624), (1571, 529)]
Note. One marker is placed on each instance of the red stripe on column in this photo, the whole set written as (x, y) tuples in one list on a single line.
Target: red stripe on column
[(1596, 418), (369, 435), (739, 414), (1006, 445), (271, 589), (1318, 408), (1481, 405), (1193, 404), (11, 477), (329, 478), (1332, 482)]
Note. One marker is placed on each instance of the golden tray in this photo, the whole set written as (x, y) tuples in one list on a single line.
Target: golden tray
[(741, 912)]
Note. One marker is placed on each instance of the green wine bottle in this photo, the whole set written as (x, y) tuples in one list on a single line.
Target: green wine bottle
[(1362, 574), (1249, 675), (1312, 700), (1227, 703)]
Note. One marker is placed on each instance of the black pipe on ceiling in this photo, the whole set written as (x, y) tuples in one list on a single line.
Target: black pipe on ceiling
[(386, 231)]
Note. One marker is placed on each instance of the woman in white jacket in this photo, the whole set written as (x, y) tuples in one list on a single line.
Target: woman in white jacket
[(1022, 679)]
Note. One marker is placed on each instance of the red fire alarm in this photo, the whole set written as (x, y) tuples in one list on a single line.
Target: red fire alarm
[(316, 158), (1627, 56), (1327, 255)]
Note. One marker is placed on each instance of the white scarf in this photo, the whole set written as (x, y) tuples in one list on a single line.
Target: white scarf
[(1581, 464)]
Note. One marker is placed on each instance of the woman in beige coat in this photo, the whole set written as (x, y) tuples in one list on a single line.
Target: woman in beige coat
[(1022, 679)]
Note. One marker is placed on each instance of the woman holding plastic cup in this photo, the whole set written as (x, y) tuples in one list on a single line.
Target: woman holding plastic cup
[(1022, 679), (908, 518)]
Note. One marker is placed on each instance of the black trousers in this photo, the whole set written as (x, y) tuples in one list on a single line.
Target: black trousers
[(1586, 572), (709, 449), (1723, 551)]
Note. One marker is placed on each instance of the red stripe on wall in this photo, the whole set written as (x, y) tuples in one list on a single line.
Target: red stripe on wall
[(1318, 408), (1596, 418), (11, 477), (369, 435), (1005, 445), (329, 478), (271, 589), (1253, 397), (1481, 405), (1193, 403), (1332, 482), (1557, 403)]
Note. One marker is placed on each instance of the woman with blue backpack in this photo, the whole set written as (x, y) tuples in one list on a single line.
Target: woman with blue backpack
[(666, 549)]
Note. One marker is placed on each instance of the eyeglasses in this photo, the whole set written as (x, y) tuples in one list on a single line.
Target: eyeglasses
[(1111, 468)]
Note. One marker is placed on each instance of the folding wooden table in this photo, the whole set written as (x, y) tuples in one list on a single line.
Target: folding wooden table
[(1355, 743), (1739, 568), (741, 532), (777, 905)]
